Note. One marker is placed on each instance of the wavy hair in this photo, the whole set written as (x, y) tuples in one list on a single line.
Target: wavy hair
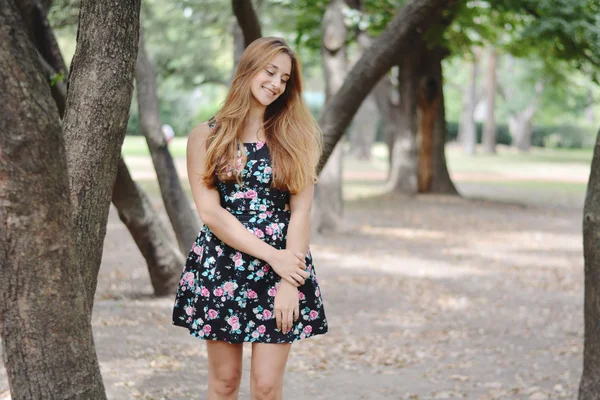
[(293, 137)]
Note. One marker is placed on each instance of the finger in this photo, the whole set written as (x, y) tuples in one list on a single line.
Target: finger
[(300, 256), (304, 274), (302, 265), (291, 280), (290, 319), (299, 279), (296, 313), (278, 319)]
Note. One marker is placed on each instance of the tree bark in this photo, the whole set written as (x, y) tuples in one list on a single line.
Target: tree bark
[(47, 335), (184, 220), (440, 181), (152, 238), (364, 127), (489, 128), (589, 386), (520, 122), (429, 98), (247, 19), (161, 253), (416, 16), (467, 128), (98, 101), (327, 211), (404, 159)]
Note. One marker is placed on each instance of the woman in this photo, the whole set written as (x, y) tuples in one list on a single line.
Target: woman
[(249, 276)]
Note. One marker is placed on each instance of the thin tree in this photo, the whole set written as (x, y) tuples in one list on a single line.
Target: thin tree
[(589, 387)]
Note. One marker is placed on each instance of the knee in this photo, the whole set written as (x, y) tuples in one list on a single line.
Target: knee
[(265, 388), (226, 384)]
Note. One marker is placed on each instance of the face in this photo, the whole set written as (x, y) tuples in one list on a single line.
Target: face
[(270, 82)]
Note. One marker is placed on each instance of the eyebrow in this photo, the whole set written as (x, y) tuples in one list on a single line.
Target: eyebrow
[(276, 67)]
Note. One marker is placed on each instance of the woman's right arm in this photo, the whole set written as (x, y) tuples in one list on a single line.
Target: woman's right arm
[(289, 265)]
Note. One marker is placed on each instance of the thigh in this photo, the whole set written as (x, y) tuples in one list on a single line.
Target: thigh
[(224, 359), (268, 361)]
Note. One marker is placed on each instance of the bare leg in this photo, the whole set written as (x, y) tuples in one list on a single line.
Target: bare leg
[(224, 370), (268, 367)]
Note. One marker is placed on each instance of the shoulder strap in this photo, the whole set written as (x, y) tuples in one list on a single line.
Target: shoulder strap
[(212, 122)]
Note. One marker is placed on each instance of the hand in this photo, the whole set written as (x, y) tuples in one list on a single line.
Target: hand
[(290, 266), (287, 306)]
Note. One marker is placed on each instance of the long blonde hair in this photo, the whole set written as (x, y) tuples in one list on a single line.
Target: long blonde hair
[(293, 137)]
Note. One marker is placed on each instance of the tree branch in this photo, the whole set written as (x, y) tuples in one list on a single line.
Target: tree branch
[(247, 19)]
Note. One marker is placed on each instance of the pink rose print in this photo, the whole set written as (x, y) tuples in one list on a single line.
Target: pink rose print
[(258, 232), (235, 326), (229, 287), (189, 310), (212, 314), (233, 320), (250, 194), (260, 274), (259, 145), (317, 292), (204, 292), (308, 329), (301, 296), (269, 230), (239, 195), (239, 262), (262, 215), (252, 294), (189, 278), (265, 268), (198, 249), (255, 334), (272, 291), (237, 256), (267, 170), (313, 314), (218, 292), (267, 314), (270, 213), (206, 329), (262, 207), (261, 329)]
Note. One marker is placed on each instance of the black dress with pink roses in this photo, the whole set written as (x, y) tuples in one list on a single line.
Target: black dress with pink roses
[(228, 295)]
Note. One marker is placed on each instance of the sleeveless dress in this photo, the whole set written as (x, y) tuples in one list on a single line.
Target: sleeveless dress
[(225, 294)]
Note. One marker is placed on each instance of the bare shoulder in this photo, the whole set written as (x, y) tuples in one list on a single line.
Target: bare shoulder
[(198, 136)]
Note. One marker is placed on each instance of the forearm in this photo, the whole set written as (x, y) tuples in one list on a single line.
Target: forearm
[(233, 233), (298, 233)]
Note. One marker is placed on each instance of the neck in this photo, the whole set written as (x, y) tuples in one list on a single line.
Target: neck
[(256, 116)]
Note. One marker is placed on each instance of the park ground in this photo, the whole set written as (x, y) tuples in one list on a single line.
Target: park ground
[(427, 297)]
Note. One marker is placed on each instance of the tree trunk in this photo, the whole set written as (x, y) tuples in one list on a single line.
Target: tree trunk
[(467, 129), (404, 159), (440, 181), (161, 253), (247, 20), (429, 98), (98, 101), (489, 128), (46, 331), (391, 45), (387, 104), (155, 257), (184, 220), (364, 128), (327, 211), (589, 386), (520, 123)]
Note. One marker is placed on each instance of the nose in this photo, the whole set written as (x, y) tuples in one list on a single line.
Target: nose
[(275, 82)]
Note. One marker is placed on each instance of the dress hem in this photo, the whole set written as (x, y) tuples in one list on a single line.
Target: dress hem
[(192, 331)]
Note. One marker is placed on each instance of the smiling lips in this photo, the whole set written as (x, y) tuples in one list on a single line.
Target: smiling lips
[(269, 91)]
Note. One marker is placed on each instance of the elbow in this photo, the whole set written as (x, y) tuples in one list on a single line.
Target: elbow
[(207, 217)]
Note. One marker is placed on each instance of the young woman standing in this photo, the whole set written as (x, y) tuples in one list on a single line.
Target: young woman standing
[(249, 276)]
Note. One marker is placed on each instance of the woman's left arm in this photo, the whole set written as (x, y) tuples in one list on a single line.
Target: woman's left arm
[(298, 233)]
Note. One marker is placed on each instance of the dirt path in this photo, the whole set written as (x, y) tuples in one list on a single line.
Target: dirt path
[(427, 298)]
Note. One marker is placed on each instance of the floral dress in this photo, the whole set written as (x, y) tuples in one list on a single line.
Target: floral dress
[(225, 294)]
